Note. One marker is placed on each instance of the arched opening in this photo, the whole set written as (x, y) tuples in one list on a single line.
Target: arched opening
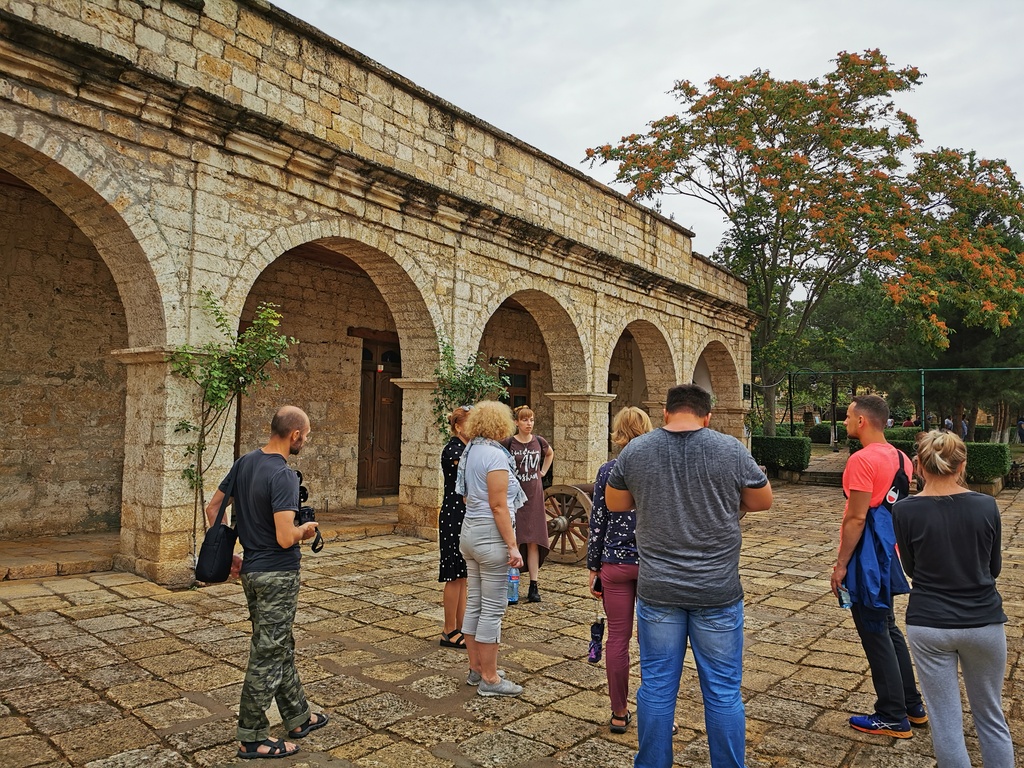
[(641, 370), (62, 394), (716, 371), (342, 300)]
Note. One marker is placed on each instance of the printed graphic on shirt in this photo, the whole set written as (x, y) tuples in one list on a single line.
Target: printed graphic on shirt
[(527, 461)]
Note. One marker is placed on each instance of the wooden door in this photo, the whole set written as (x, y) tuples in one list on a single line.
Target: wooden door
[(380, 420)]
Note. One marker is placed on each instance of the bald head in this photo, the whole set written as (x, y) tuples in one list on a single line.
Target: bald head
[(287, 420)]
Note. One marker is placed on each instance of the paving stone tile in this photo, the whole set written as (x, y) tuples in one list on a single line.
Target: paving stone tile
[(352, 750), (542, 691), (25, 751), (207, 678), (107, 623), (139, 694), (401, 756), (12, 726), (76, 663), (42, 696), (501, 748), (43, 603), (27, 675), (436, 729), (338, 689), (381, 710), (490, 711), (597, 753), (553, 728), (437, 686), (170, 713), (403, 645), (71, 717), (174, 663), (204, 736), (131, 636), (392, 672), (590, 706), (148, 757), (578, 673), (18, 655), (92, 743)]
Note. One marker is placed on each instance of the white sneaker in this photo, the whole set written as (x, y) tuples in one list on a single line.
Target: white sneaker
[(500, 688), (475, 677)]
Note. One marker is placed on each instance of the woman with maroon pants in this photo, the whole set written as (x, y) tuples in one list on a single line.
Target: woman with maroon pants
[(612, 555)]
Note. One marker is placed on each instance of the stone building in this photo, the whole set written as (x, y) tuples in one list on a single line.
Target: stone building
[(152, 148)]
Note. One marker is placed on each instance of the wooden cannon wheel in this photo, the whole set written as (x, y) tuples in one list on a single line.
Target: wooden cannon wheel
[(568, 510)]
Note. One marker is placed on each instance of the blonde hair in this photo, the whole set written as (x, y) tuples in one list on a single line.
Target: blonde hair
[(459, 416), (490, 418), (940, 453), (628, 423)]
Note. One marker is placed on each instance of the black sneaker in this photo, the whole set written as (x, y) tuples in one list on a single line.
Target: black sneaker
[(533, 596)]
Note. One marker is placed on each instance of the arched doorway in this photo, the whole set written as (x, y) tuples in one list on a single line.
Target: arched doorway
[(716, 372)]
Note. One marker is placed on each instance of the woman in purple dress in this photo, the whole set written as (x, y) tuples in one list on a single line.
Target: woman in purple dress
[(533, 457)]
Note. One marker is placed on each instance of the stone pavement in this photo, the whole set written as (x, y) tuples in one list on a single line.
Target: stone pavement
[(107, 670)]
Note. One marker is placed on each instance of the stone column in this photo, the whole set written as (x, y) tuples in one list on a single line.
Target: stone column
[(729, 421), (420, 485), (160, 526), (656, 410), (580, 437)]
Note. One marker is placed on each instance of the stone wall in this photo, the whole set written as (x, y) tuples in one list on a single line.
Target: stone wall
[(61, 394), (198, 145)]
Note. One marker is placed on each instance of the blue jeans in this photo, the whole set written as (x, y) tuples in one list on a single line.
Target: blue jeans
[(716, 638)]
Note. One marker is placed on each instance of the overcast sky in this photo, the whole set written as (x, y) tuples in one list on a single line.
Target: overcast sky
[(564, 75)]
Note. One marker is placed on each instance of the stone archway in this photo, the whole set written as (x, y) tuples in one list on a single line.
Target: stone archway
[(543, 342), (716, 371), (343, 296), (641, 369)]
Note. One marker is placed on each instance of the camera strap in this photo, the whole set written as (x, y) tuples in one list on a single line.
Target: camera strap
[(318, 542)]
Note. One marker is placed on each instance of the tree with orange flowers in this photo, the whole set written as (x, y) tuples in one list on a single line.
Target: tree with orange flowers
[(805, 172)]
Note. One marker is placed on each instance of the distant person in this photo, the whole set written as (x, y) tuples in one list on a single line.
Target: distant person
[(950, 544), (963, 429), (948, 424), (868, 479), (689, 486), (889, 423), (908, 422), (265, 498), (452, 566), (533, 458), (1020, 429), (614, 566)]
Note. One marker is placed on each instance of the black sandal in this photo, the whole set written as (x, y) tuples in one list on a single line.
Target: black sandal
[(626, 720), (249, 749), (447, 642), (301, 731)]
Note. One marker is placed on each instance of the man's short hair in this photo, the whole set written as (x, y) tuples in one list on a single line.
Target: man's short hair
[(873, 408), (688, 397), (288, 419)]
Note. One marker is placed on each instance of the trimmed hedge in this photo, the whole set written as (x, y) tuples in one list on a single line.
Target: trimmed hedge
[(909, 447), (982, 433), (822, 433), (792, 453), (894, 434), (987, 461)]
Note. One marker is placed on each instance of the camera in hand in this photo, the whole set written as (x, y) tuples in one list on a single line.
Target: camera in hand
[(307, 514)]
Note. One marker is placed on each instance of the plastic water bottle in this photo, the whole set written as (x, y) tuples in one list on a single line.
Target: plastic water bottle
[(844, 598), (513, 586)]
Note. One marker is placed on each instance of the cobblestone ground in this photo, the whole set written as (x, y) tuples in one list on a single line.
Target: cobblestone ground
[(108, 670)]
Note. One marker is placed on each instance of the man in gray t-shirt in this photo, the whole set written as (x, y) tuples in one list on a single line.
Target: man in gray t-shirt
[(690, 486)]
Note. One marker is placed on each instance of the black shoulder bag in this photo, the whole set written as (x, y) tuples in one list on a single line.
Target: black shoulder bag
[(214, 562)]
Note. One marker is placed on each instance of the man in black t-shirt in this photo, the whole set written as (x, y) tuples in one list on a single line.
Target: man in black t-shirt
[(265, 498)]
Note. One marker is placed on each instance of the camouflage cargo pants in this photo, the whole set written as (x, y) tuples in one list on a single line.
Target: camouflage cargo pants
[(273, 597)]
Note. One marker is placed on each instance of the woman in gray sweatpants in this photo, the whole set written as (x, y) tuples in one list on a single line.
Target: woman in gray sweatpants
[(950, 542)]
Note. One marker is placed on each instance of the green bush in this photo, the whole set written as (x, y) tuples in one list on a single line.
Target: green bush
[(792, 453), (822, 433), (987, 461), (909, 447), (982, 433), (903, 434)]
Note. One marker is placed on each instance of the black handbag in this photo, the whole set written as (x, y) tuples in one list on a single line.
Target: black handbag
[(214, 562)]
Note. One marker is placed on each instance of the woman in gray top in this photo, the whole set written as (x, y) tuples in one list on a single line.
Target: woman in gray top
[(950, 543), (487, 479)]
